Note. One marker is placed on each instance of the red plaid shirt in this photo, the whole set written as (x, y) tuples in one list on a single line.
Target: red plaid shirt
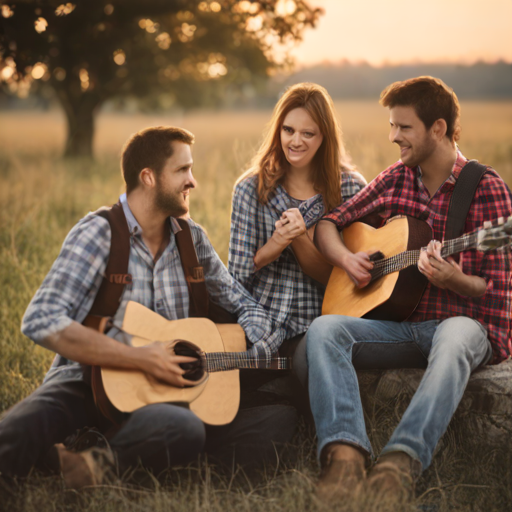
[(399, 190)]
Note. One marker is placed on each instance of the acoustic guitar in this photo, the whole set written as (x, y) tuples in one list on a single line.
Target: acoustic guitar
[(219, 349), (396, 284)]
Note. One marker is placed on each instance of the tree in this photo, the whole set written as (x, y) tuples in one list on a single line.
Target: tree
[(89, 51)]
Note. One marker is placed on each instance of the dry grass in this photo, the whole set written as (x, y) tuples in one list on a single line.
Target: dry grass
[(41, 197)]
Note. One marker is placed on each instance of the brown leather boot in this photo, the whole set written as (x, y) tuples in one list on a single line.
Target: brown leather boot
[(393, 478), (342, 473), (86, 468)]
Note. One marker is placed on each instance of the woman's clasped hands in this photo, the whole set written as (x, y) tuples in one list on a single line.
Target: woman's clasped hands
[(290, 226)]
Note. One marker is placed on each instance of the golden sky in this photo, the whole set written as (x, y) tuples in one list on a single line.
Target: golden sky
[(393, 31)]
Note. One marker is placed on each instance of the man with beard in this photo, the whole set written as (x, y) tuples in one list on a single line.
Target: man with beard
[(461, 322), (157, 168)]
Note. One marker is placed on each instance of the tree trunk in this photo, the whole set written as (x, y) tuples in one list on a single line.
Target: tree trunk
[(80, 132), (80, 108)]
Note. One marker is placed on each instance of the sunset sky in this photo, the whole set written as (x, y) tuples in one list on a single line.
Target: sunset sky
[(380, 31)]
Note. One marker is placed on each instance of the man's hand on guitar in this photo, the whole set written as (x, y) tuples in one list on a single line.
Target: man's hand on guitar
[(440, 272), (160, 361), (358, 267)]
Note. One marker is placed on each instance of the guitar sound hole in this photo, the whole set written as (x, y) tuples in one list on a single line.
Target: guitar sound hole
[(376, 256), (194, 370)]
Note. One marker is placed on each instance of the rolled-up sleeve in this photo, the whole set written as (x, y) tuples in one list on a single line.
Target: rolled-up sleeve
[(373, 197), (68, 290)]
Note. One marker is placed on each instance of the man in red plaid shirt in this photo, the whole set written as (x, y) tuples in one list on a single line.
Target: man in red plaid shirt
[(461, 322)]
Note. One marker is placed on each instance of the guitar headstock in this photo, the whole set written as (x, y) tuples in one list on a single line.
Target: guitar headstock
[(495, 235)]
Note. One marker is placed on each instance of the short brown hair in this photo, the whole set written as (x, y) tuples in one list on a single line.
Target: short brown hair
[(431, 99), (150, 148)]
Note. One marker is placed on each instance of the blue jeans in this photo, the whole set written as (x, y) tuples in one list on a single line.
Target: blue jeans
[(452, 349)]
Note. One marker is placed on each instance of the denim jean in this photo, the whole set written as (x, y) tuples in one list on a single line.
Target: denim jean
[(157, 436), (451, 349)]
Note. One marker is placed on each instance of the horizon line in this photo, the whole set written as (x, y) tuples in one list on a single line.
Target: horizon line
[(300, 66)]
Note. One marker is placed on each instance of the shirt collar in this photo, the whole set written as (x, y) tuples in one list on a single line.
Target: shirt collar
[(134, 226)]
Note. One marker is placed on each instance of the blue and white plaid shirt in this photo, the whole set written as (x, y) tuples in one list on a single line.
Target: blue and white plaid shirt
[(68, 291), (291, 297)]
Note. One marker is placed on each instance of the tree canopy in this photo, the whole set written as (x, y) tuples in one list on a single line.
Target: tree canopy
[(163, 51)]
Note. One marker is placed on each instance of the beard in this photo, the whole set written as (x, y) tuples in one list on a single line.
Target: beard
[(420, 153), (172, 204)]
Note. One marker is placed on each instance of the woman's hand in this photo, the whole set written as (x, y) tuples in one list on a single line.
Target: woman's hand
[(290, 226)]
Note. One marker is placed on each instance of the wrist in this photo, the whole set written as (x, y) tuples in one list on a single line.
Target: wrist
[(343, 260), (280, 240), (465, 285), (140, 358)]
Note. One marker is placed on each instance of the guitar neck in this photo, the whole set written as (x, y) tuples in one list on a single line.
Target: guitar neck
[(460, 244), (225, 361), (407, 258)]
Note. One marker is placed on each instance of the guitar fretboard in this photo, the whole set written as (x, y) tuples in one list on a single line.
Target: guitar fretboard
[(405, 259), (223, 361)]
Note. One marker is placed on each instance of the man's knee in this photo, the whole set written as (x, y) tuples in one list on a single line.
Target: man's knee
[(462, 337), (327, 333), (170, 423)]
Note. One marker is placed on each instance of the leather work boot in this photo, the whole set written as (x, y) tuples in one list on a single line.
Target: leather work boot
[(342, 473), (393, 478), (87, 468)]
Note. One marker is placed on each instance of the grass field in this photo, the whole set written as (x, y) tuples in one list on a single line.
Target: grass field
[(42, 196)]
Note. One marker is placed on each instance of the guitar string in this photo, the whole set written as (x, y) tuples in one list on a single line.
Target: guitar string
[(405, 259), (220, 359)]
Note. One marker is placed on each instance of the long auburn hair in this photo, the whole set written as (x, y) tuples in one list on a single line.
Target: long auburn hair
[(330, 160)]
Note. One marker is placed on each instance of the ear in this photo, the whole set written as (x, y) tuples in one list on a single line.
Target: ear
[(147, 177), (438, 129)]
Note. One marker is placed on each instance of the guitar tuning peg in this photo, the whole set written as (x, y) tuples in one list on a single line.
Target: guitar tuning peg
[(501, 220), (487, 224)]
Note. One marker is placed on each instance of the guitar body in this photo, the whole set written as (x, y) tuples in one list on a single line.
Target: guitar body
[(214, 400), (391, 297)]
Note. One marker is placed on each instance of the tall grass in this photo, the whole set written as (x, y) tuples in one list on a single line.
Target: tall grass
[(41, 198)]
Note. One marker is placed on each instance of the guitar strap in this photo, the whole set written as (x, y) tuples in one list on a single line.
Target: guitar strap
[(462, 197)]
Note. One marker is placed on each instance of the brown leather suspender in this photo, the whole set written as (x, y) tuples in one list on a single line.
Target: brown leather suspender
[(116, 276), (194, 273)]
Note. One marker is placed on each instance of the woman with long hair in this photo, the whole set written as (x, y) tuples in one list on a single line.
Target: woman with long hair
[(300, 172)]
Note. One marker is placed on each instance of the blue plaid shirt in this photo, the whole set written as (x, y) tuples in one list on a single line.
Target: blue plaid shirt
[(291, 297), (69, 289)]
